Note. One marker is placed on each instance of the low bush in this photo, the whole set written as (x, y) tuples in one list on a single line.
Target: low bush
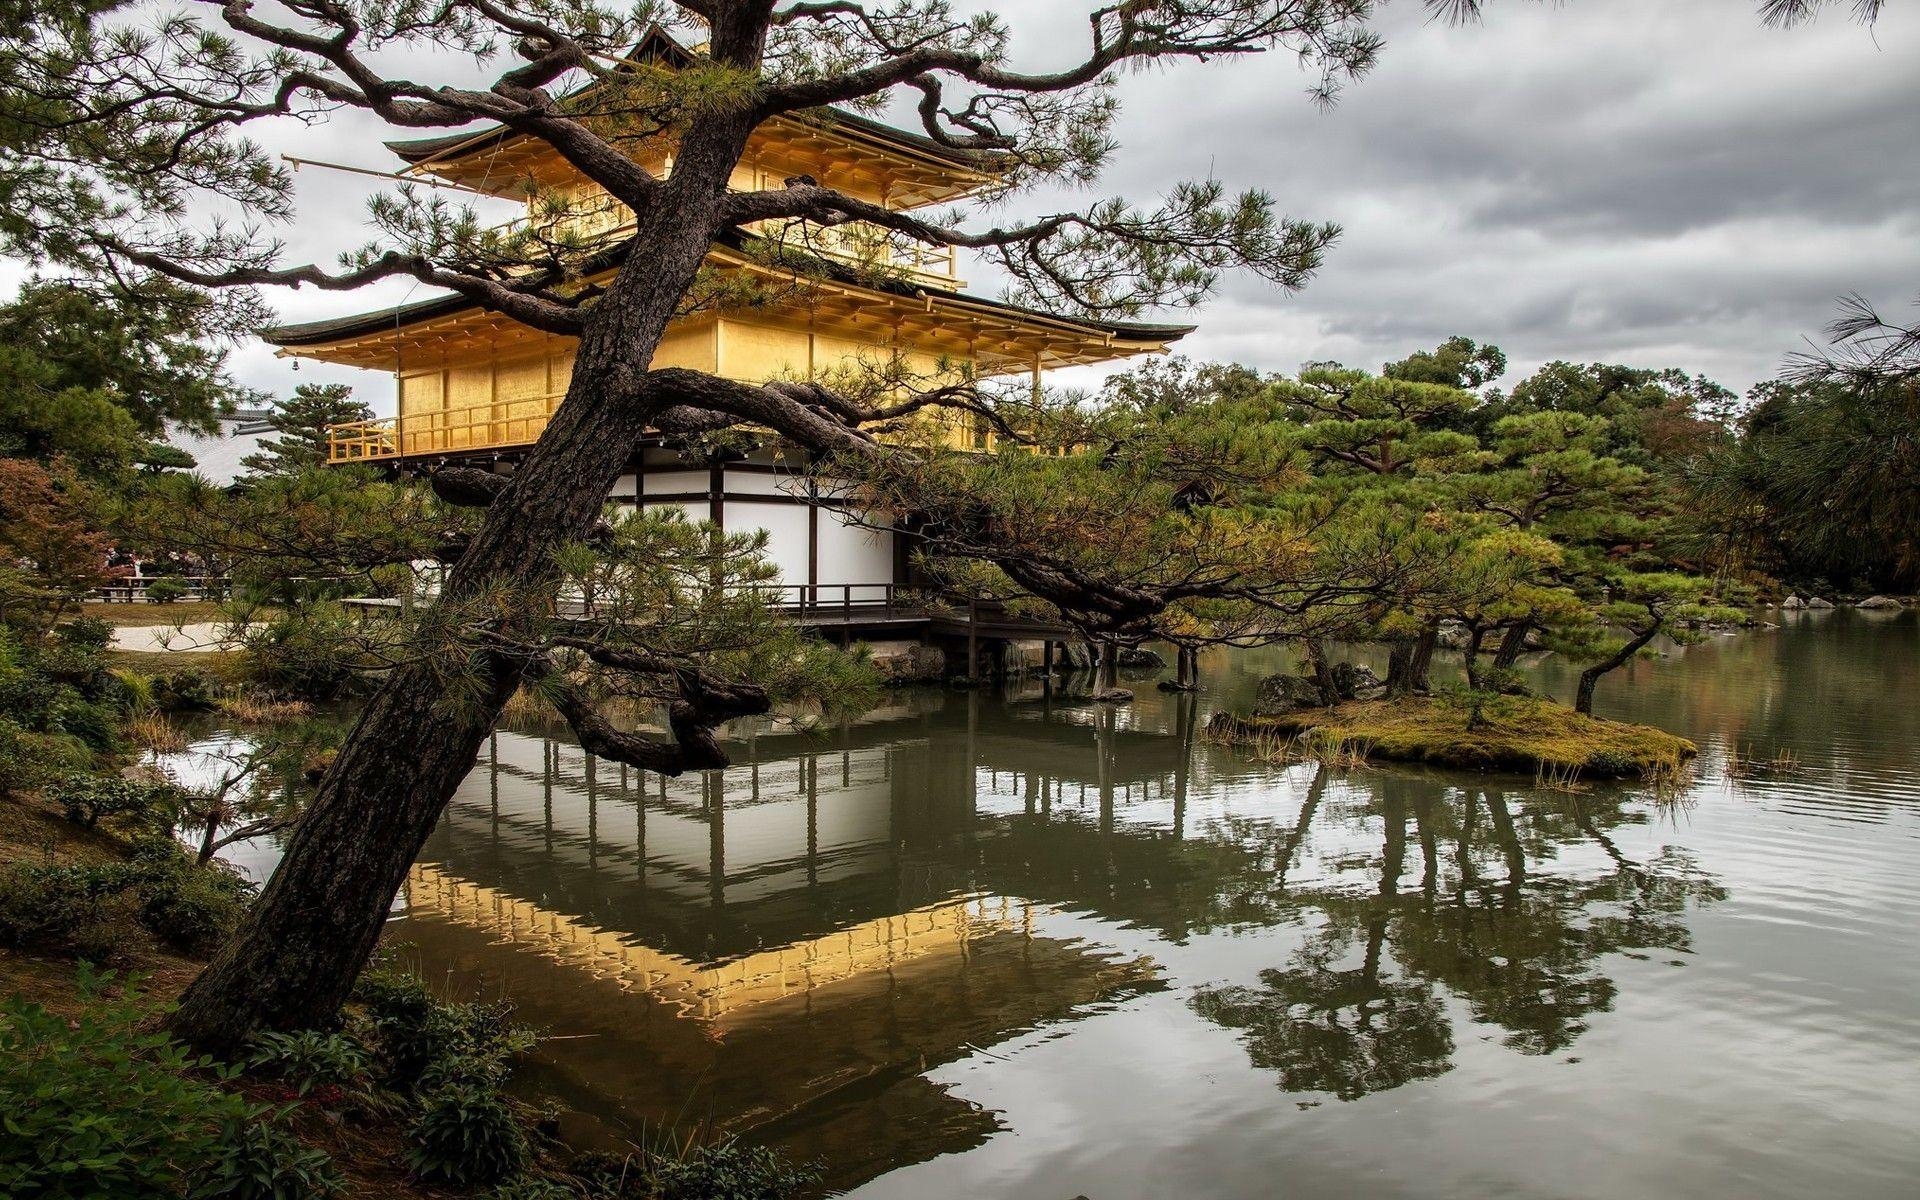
[(88, 911), (166, 591), (310, 653), (257, 1161), (193, 908), (79, 910), (58, 684), (531, 1187), (732, 1170), (87, 799), (726, 1170), (423, 1042), (467, 1135), (309, 1058), (187, 690), (30, 760), (86, 634), (97, 1106)]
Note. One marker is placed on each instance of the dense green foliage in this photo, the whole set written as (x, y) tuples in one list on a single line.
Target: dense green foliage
[(91, 910), (59, 705), (95, 375), (97, 1106), (1823, 484)]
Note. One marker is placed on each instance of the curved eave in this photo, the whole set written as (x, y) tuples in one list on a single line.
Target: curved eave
[(1049, 339), (657, 46)]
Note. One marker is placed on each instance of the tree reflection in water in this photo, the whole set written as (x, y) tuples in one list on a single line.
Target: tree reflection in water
[(1361, 1006)]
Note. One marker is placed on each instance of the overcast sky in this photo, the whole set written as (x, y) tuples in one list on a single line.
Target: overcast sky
[(1654, 182)]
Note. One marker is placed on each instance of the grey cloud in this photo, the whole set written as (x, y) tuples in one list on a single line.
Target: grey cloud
[(1644, 181)]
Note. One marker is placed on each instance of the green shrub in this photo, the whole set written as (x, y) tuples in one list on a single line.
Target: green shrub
[(187, 690), (166, 591), (30, 760), (257, 1161), (136, 691), (80, 910), (194, 909), (98, 1107), (87, 799), (85, 634), (88, 910), (727, 1170), (310, 653), (468, 1136), (419, 1037), (310, 1058), (58, 688)]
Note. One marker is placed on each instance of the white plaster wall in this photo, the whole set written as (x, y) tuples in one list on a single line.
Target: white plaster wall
[(666, 483), (852, 553), (786, 526)]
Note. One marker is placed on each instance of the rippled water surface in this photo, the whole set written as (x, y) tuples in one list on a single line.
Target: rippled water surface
[(1012, 945)]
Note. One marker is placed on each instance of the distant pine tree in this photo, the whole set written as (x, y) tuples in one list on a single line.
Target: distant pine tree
[(302, 420)]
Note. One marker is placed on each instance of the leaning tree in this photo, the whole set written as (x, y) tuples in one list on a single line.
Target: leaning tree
[(120, 126)]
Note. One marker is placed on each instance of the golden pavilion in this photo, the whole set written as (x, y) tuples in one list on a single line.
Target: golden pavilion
[(477, 387)]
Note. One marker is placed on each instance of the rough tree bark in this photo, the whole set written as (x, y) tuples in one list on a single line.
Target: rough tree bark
[(1470, 657), (1420, 668), (1322, 668), (1511, 645), (317, 922)]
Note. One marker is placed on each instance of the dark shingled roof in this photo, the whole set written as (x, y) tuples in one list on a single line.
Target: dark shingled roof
[(313, 333), (658, 46)]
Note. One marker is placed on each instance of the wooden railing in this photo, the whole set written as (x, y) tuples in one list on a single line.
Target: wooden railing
[(511, 423), (504, 423)]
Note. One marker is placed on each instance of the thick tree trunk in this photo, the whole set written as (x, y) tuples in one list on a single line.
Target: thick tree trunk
[(1471, 656), (1420, 669), (1322, 669), (1511, 645), (1109, 673), (305, 940), (1583, 696), (1399, 668)]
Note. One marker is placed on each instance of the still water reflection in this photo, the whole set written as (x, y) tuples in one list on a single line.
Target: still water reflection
[(1016, 945)]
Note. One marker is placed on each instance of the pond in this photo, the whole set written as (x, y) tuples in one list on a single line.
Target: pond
[(1012, 944)]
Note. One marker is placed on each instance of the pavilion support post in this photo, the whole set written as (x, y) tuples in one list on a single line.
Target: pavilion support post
[(973, 640)]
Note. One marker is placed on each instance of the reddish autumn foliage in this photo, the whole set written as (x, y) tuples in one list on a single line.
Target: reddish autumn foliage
[(51, 553)]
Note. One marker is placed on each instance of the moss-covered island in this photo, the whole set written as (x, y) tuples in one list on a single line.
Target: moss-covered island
[(1518, 733)]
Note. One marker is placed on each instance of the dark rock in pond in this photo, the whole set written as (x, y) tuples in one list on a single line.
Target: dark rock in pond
[(1281, 694), (1113, 696), (1884, 602), (1141, 658), (1356, 682), (1174, 685), (1793, 602), (1818, 602)]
